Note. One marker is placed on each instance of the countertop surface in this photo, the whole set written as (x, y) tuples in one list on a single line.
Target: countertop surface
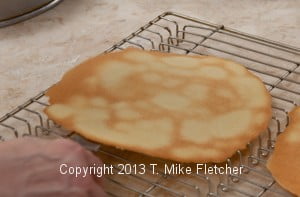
[(34, 54)]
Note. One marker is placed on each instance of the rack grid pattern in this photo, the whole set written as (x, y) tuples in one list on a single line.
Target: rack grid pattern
[(275, 63)]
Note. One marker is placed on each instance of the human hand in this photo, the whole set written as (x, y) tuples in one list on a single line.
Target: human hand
[(30, 167)]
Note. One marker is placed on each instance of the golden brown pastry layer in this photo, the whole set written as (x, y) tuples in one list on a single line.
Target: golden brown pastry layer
[(284, 163), (178, 107)]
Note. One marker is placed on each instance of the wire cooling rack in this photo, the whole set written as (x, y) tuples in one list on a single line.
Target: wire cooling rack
[(275, 63)]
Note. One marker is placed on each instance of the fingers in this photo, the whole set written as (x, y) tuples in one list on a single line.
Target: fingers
[(45, 157), (94, 161), (22, 146), (79, 156), (67, 151)]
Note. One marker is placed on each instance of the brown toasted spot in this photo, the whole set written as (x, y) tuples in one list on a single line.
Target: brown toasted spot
[(114, 72)]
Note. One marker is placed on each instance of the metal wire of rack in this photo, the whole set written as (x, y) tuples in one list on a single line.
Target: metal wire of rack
[(275, 63)]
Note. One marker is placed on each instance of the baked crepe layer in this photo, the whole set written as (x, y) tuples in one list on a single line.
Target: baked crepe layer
[(178, 107), (284, 163)]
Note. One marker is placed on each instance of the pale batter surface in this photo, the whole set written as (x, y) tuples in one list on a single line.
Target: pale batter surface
[(284, 163), (183, 108)]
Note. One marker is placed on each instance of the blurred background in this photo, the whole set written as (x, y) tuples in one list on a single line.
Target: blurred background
[(34, 54)]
